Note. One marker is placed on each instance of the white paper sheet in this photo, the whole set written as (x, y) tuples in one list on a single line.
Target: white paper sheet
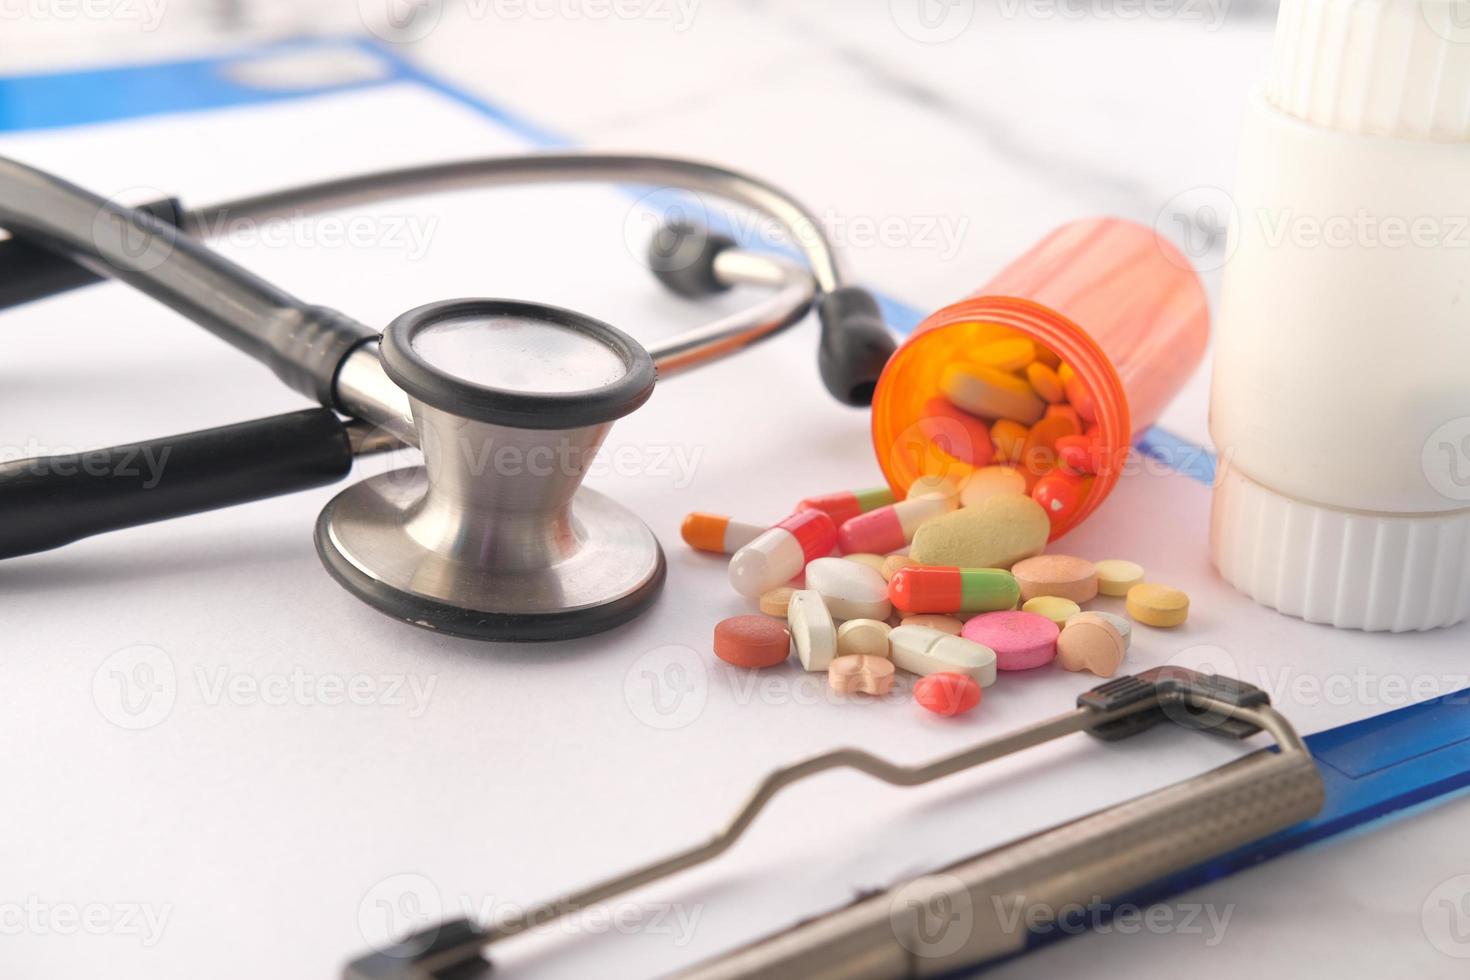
[(268, 830)]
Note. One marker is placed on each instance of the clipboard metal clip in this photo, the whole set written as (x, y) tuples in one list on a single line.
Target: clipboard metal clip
[(954, 917)]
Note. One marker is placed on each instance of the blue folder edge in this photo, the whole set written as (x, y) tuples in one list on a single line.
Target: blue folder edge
[(1372, 768)]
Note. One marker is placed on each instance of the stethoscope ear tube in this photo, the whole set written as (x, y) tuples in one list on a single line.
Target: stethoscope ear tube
[(855, 345), (49, 501), (304, 345), (29, 273)]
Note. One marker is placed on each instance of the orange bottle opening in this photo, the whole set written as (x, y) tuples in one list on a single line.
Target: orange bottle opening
[(1108, 298)]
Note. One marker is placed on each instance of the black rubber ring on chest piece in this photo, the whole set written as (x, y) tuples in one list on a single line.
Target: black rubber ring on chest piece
[(517, 409)]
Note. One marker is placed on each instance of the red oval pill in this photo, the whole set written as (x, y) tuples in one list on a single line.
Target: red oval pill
[(752, 641), (1060, 494), (947, 694)]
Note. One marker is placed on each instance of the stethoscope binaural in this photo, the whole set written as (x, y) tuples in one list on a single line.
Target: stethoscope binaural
[(496, 553)]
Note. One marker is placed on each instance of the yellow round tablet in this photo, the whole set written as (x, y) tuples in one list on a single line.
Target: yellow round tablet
[(776, 601), (1116, 577), (1158, 605), (1054, 608)]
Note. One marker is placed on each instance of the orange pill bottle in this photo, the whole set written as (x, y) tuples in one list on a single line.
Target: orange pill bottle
[(1114, 300)]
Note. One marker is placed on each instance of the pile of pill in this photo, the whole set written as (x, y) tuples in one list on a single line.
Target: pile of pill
[(975, 595), (1013, 402)]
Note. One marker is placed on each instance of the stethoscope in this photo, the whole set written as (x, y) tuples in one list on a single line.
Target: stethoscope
[(492, 552)]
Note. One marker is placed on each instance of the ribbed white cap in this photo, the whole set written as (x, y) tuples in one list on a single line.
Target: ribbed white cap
[(1344, 568), (1388, 67)]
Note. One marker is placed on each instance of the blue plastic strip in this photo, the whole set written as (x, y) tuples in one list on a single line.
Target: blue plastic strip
[(1371, 769), (51, 101), (1180, 455)]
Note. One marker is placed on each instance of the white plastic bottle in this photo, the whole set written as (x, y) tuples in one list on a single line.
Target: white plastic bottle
[(1341, 400)]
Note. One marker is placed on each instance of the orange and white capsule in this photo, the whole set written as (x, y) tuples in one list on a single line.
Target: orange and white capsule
[(717, 533)]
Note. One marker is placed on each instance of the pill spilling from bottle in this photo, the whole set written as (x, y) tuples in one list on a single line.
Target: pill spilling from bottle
[(868, 620), (948, 586)]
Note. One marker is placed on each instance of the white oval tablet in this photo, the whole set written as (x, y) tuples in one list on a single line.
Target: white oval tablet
[(851, 590), (925, 651), (812, 630)]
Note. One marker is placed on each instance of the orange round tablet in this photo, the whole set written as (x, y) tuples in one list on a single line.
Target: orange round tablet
[(752, 641), (1058, 575)]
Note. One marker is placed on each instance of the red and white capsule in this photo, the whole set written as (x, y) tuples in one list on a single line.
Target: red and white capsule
[(890, 528), (780, 553)]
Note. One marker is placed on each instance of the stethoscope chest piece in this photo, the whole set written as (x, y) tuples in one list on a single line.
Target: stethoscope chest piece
[(494, 537)]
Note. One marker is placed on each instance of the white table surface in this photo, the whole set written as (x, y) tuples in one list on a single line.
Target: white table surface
[(1019, 122)]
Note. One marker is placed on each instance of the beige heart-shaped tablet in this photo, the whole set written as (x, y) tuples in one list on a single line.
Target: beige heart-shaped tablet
[(996, 534), (861, 675)]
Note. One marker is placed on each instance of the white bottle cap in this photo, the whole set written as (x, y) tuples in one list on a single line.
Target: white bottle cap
[(1385, 67), (1352, 570)]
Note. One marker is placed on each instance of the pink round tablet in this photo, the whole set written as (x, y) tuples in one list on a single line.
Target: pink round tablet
[(1021, 640)]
